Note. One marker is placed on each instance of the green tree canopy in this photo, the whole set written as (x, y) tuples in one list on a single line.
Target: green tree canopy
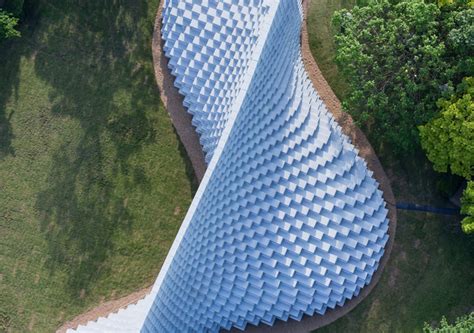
[(7, 26), (467, 208), (449, 138), (449, 143), (393, 59), (457, 30), (400, 57)]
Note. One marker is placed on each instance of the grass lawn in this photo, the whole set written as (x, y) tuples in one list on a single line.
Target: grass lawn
[(320, 34), (93, 180), (430, 271)]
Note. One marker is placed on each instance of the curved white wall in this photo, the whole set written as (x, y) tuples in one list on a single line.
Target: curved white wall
[(287, 220)]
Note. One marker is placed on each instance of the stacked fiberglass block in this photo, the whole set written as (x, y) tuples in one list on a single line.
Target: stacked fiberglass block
[(288, 220), (209, 45)]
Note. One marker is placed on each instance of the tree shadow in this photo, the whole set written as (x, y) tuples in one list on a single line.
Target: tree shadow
[(79, 222), (97, 56), (9, 80), (11, 53)]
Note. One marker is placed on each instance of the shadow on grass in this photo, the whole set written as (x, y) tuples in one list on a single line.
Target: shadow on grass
[(11, 52), (97, 56), (9, 74)]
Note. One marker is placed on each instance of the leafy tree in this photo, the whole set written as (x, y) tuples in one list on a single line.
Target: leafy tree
[(462, 325), (457, 30), (400, 57), (467, 208), (7, 26), (442, 3), (393, 59), (449, 138), (449, 143)]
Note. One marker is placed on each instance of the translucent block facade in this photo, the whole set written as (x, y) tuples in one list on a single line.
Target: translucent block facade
[(288, 221), (210, 45)]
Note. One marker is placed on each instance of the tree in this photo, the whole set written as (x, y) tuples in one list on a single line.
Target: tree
[(442, 3), (457, 30), (449, 143), (449, 138), (462, 325), (467, 208), (7, 26), (393, 59)]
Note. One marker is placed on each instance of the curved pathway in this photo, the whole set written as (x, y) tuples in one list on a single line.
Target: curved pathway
[(173, 102)]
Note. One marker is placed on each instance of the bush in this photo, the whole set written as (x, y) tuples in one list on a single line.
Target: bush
[(7, 26), (449, 143), (462, 325), (449, 138), (467, 201)]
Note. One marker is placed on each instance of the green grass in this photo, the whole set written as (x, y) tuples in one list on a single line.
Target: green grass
[(429, 273), (93, 180), (321, 42)]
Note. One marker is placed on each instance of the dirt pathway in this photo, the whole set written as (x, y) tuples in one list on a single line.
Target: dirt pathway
[(173, 102)]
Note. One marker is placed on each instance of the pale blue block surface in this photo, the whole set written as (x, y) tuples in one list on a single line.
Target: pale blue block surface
[(288, 220)]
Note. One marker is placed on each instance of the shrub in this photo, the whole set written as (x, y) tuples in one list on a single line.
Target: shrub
[(462, 325), (7, 26)]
